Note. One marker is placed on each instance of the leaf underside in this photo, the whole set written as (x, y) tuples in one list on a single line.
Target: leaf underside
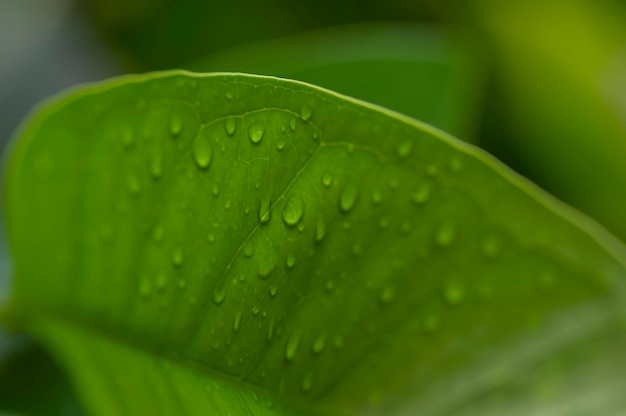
[(233, 244)]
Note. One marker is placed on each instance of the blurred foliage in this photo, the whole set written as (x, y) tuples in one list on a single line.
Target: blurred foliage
[(48, 393), (161, 34), (437, 73)]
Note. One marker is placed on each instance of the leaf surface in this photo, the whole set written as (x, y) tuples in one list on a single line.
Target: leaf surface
[(234, 244)]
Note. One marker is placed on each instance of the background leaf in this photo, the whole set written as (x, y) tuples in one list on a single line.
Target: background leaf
[(259, 245), (430, 74)]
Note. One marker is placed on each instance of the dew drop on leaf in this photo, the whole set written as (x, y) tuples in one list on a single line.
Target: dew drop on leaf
[(158, 233), (327, 179), (236, 322), (445, 235), (320, 229), (133, 185), (422, 194), (145, 287), (176, 125), (348, 198), (307, 383), (161, 281), (177, 257), (264, 209), (293, 211), (404, 149), (292, 345), (292, 124), (230, 126), (291, 261), (128, 138), (256, 132), (264, 268), (202, 152), (453, 293), (306, 112), (248, 250), (219, 295), (387, 295), (431, 323), (490, 247), (156, 166), (319, 344)]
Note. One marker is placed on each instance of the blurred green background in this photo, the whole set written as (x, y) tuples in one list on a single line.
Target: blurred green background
[(541, 84)]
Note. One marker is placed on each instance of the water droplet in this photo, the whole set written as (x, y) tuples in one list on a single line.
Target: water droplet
[(422, 194), (292, 124), (145, 287), (228, 95), (211, 238), (158, 233), (405, 228), (176, 125), (456, 165), (215, 190), (265, 268), (432, 170), (357, 250), (348, 197), (445, 235), (219, 295), (156, 167), (202, 152), (230, 126), (319, 344), (248, 250), (306, 112), (320, 229), (293, 211), (453, 293), (256, 132), (273, 290), (338, 342), (182, 284), (292, 345), (264, 208), (377, 197), (281, 144), (161, 281), (546, 282), (128, 138), (133, 185), (383, 223), (307, 383), (255, 310), (177, 257), (431, 323), (491, 247), (270, 329), (330, 286), (327, 180), (291, 261), (404, 149), (236, 322), (387, 295)]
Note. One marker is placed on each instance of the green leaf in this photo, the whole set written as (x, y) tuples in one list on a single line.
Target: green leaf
[(431, 74), (234, 244)]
